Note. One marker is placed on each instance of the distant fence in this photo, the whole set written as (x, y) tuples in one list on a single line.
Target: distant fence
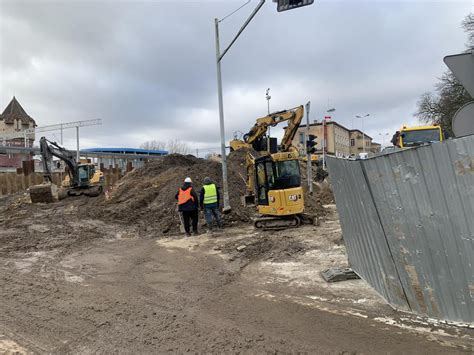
[(20, 181), (408, 223)]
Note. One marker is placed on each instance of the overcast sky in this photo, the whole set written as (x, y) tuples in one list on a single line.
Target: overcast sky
[(147, 68)]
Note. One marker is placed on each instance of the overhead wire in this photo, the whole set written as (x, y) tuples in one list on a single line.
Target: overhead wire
[(233, 12)]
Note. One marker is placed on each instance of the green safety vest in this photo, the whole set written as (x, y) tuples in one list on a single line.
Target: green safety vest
[(210, 194)]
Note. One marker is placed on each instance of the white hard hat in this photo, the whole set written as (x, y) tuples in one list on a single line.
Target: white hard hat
[(188, 179)]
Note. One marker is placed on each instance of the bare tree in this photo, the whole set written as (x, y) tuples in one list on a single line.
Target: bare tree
[(450, 95), (153, 145), (468, 25), (176, 146), (172, 146)]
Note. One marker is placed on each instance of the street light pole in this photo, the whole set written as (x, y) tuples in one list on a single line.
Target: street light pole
[(383, 138), (282, 6), (225, 185), (324, 136), (77, 142), (309, 171), (219, 56), (363, 133), (268, 97)]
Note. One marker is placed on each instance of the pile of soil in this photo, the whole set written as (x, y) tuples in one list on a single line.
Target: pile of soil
[(325, 194), (275, 248), (39, 227), (146, 196)]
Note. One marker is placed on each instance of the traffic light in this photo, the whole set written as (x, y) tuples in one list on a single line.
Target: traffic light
[(311, 144), (284, 5)]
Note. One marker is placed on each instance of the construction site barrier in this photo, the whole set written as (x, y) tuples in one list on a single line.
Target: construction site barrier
[(408, 223), (13, 182)]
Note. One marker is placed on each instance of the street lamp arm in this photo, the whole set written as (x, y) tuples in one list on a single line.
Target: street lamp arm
[(252, 15)]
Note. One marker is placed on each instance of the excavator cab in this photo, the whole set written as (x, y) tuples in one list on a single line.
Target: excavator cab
[(278, 189), (85, 172), (275, 175), (89, 181)]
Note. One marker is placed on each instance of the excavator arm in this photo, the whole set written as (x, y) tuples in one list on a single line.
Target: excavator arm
[(52, 149), (293, 116), (290, 130)]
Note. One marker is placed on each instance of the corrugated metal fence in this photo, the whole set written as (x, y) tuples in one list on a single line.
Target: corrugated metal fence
[(408, 223)]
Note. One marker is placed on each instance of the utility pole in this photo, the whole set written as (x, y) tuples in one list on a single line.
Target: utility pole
[(363, 133), (282, 5), (268, 97), (324, 135), (219, 57), (77, 141), (309, 171), (225, 184), (383, 138)]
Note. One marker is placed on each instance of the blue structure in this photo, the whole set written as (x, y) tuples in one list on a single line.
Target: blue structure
[(128, 151)]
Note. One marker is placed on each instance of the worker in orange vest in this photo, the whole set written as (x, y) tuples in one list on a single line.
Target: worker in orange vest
[(188, 205)]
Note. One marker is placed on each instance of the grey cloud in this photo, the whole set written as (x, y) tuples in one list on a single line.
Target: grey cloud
[(147, 68)]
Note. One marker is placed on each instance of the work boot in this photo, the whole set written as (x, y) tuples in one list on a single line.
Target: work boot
[(188, 235)]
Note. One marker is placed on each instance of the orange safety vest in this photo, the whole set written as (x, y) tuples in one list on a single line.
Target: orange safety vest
[(184, 196)]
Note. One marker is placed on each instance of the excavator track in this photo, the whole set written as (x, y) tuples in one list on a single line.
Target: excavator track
[(277, 223)]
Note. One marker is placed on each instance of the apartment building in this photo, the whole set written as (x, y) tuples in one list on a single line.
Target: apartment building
[(340, 141)]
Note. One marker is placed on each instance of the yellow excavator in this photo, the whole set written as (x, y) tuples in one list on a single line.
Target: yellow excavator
[(82, 178), (274, 180)]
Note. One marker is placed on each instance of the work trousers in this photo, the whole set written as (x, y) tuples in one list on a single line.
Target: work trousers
[(211, 213), (189, 216)]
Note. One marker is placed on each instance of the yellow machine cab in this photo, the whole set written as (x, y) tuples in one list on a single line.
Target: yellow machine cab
[(419, 135)]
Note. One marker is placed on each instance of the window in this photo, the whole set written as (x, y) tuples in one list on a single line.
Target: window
[(301, 138), (417, 137), (287, 174), (352, 142)]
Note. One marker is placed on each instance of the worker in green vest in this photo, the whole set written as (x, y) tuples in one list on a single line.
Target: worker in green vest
[(209, 201)]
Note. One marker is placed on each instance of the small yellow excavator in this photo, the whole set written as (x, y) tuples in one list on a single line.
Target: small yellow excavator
[(82, 178), (274, 180)]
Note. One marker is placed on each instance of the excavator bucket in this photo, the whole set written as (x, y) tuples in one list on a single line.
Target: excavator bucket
[(248, 200), (44, 193)]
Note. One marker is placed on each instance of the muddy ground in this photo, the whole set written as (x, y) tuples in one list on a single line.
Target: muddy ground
[(71, 283)]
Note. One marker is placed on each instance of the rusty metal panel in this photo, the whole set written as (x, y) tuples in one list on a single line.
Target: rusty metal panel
[(367, 248), (424, 202)]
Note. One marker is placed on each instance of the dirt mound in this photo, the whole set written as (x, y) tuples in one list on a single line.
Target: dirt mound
[(39, 227), (325, 194), (275, 248), (147, 196)]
